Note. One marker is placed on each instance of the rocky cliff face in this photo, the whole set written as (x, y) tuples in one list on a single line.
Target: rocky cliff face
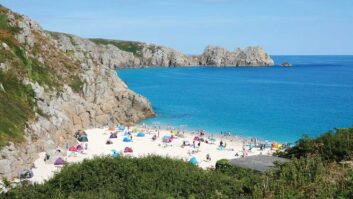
[(123, 54), (87, 94), (251, 56)]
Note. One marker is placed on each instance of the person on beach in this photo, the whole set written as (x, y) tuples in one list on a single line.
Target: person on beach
[(221, 143), (199, 144), (208, 157), (58, 149)]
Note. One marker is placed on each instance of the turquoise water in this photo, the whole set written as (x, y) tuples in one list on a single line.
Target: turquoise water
[(274, 103)]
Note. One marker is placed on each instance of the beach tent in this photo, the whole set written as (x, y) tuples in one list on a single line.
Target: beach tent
[(167, 139), (140, 134), (73, 148), (83, 139), (121, 128), (115, 153), (128, 150), (126, 139), (193, 161), (113, 136), (59, 162), (26, 174), (126, 134), (79, 148)]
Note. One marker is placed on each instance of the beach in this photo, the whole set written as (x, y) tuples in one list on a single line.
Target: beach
[(144, 146)]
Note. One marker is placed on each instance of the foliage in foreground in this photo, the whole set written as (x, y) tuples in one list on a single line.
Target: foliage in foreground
[(331, 146), (149, 177), (157, 177)]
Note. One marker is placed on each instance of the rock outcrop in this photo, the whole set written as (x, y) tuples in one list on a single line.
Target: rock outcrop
[(124, 54), (103, 99), (251, 56)]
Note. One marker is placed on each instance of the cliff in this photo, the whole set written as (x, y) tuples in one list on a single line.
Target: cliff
[(124, 54), (47, 92)]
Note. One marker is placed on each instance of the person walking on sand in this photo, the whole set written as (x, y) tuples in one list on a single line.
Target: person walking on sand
[(208, 158)]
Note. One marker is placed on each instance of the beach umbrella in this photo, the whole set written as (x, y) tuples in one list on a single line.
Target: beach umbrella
[(73, 148), (126, 139), (83, 139), (193, 161), (59, 162), (140, 134)]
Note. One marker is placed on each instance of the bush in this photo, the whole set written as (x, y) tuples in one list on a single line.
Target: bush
[(331, 146), (148, 177)]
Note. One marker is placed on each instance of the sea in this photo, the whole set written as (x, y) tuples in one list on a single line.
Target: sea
[(276, 103)]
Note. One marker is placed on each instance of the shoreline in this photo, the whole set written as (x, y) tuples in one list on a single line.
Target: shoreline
[(236, 147)]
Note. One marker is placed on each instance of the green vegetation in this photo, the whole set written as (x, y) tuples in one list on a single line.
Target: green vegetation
[(331, 146), (17, 104), (309, 176), (76, 84), (149, 177), (129, 46), (17, 100)]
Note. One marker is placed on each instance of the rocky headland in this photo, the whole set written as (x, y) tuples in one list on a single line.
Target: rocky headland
[(127, 54)]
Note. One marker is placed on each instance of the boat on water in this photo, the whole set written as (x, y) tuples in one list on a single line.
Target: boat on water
[(286, 64)]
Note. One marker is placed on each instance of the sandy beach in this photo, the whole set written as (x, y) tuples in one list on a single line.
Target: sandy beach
[(143, 146)]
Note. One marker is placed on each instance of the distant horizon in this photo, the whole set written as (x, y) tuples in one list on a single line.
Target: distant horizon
[(301, 27)]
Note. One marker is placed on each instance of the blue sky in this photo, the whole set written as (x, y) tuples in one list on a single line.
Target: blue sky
[(280, 26)]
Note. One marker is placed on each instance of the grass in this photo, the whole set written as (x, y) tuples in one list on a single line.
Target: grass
[(17, 104), (128, 46), (76, 84)]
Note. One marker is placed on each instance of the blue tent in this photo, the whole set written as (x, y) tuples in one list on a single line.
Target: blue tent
[(193, 161), (126, 134), (126, 139), (121, 128), (140, 134), (115, 153)]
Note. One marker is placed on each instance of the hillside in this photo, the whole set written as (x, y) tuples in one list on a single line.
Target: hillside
[(46, 94)]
